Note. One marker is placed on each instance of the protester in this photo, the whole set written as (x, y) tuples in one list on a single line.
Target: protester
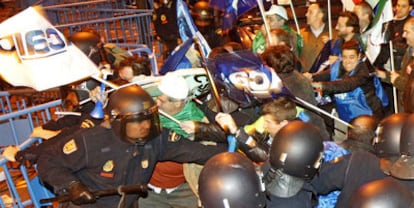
[(134, 68), (350, 82), (315, 35), (282, 61), (170, 187), (361, 134), (395, 31), (277, 18)]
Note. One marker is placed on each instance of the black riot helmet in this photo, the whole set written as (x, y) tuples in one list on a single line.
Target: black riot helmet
[(383, 193), (86, 41), (132, 104), (230, 180), (387, 142), (403, 168), (297, 150), (203, 14)]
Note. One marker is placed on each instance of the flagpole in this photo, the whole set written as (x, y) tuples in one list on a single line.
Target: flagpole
[(266, 24), (394, 89), (295, 19), (322, 111), (209, 76), (329, 20)]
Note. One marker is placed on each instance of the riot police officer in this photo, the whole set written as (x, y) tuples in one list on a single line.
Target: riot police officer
[(123, 150)]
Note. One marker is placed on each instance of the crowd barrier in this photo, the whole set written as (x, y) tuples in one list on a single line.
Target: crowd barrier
[(142, 50), (114, 25), (102, 3), (20, 186), (18, 99)]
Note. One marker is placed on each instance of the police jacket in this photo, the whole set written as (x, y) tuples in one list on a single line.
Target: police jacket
[(100, 160), (347, 174)]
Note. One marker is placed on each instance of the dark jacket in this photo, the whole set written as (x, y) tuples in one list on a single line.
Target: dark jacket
[(100, 160), (361, 78), (347, 174)]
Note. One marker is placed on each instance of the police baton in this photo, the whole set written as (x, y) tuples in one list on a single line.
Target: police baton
[(141, 190)]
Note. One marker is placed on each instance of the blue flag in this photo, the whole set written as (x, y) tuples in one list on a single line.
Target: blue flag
[(244, 77), (187, 28), (177, 58), (232, 9), (323, 57)]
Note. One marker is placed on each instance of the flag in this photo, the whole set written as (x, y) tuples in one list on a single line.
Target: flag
[(244, 77), (375, 34), (187, 28), (176, 58), (232, 9), (322, 57), (35, 54)]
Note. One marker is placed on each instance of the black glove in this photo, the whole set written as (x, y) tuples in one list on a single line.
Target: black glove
[(26, 157), (79, 194)]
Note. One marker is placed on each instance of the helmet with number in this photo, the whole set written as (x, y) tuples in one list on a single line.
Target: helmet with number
[(297, 150), (404, 167), (202, 14), (85, 41), (230, 180), (132, 104), (383, 193), (387, 142)]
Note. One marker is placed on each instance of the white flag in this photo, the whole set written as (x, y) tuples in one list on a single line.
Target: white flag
[(35, 54)]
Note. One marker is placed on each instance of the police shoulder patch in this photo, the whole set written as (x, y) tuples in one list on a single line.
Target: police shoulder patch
[(70, 147), (174, 137)]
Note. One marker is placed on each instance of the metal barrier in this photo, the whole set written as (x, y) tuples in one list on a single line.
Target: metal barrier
[(114, 25), (142, 50), (22, 4), (16, 128), (18, 99)]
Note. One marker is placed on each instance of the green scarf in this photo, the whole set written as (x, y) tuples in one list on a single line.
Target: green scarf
[(190, 112)]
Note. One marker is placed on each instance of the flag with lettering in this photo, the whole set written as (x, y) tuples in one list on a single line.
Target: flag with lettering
[(35, 54)]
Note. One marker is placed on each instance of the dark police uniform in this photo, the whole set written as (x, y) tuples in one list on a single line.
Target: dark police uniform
[(165, 23), (100, 160), (347, 174)]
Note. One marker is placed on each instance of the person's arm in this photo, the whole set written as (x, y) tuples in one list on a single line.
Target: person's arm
[(348, 83), (204, 131), (331, 175), (254, 149), (179, 149), (60, 160)]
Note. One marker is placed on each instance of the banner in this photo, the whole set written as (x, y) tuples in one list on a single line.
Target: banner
[(35, 54), (187, 28), (233, 9)]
